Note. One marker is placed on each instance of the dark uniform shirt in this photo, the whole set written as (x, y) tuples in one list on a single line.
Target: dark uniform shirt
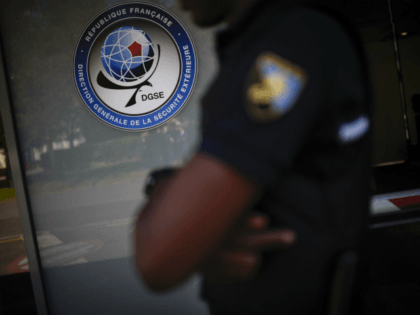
[(290, 109)]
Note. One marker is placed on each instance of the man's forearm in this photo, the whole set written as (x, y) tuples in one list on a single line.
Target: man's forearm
[(187, 218)]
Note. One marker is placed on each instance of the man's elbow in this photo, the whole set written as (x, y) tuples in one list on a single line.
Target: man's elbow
[(147, 266), (157, 281)]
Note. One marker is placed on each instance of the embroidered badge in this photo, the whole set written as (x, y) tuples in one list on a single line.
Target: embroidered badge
[(274, 88)]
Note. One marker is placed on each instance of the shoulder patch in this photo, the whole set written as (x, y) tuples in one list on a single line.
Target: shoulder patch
[(274, 86)]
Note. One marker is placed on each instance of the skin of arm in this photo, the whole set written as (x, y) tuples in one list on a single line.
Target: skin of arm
[(238, 257), (187, 219)]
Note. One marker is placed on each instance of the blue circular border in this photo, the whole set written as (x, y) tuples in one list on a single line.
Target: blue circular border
[(181, 94)]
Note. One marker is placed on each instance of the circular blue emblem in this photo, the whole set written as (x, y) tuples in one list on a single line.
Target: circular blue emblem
[(127, 54), (135, 66)]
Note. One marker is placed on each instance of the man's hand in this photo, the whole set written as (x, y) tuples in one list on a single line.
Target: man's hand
[(239, 258)]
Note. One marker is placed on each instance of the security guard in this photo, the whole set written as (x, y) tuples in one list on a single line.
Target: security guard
[(286, 129)]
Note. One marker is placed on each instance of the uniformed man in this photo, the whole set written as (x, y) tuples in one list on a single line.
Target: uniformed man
[(286, 130)]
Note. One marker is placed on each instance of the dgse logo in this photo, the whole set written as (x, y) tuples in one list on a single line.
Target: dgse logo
[(135, 66)]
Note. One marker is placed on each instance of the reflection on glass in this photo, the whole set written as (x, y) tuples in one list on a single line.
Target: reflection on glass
[(2, 159), (397, 185)]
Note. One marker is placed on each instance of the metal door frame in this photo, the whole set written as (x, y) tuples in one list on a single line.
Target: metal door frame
[(19, 181)]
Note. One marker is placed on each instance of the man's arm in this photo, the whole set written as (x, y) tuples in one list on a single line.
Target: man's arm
[(238, 257), (185, 222)]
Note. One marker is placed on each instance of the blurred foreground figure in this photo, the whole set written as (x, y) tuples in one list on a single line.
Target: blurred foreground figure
[(286, 131)]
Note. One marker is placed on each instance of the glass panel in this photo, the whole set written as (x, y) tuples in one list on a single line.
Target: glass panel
[(12, 248), (393, 71), (85, 179), (389, 127), (396, 170)]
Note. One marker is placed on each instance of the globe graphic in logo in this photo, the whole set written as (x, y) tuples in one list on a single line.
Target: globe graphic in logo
[(127, 54)]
